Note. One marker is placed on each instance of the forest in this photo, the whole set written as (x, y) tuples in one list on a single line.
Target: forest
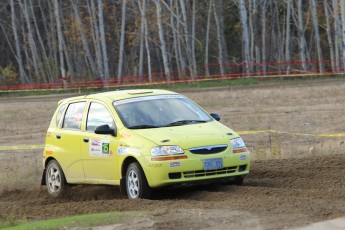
[(165, 40)]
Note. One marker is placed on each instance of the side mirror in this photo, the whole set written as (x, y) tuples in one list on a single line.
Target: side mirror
[(215, 116), (105, 129)]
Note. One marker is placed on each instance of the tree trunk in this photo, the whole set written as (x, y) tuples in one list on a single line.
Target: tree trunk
[(32, 43), (329, 35), (142, 8), (105, 77), (336, 34), (60, 44), (122, 42), (175, 38), (207, 69), (343, 31), (23, 78), (195, 70), (245, 36), (317, 35), (219, 40), (83, 38), (302, 42), (187, 39), (287, 37), (162, 40), (263, 35)]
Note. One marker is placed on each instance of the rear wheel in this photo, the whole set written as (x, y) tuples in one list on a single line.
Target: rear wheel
[(55, 179), (136, 183)]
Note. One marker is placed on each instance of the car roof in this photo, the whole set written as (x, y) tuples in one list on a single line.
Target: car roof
[(120, 94)]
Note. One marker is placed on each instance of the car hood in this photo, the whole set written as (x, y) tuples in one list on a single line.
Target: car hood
[(189, 136)]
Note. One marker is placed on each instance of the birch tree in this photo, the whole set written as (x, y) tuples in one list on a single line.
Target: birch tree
[(30, 34), (105, 73), (343, 29), (328, 31), (317, 35), (337, 34), (207, 69), (162, 40), (23, 77), (83, 37), (187, 39), (122, 41), (288, 36), (263, 35), (245, 36), (302, 42), (60, 43)]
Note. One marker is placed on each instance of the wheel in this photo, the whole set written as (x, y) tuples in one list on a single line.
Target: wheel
[(55, 179), (136, 183), (239, 180)]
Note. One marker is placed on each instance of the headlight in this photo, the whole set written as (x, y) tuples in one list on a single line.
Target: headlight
[(237, 143), (166, 150)]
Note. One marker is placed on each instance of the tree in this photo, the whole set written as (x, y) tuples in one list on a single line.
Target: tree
[(162, 40), (23, 77), (122, 41), (105, 73), (317, 35), (245, 35)]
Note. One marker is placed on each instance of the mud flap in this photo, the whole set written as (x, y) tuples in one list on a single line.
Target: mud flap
[(43, 180), (123, 190)]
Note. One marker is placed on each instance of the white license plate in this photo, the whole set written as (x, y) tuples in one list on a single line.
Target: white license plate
[(212, 164)]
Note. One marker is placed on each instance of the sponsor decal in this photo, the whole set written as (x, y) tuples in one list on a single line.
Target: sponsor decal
[(243, 157), (49, 152), (95, 142), (125, 135), (175, 164), (99, 148), (128, 150)]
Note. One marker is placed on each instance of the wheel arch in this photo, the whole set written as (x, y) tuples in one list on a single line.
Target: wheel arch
[(126, 163), (46, 162), (49, 159)]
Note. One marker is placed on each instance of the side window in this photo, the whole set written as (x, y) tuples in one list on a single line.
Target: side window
[(98, 115), (59, 114), (74, 115)]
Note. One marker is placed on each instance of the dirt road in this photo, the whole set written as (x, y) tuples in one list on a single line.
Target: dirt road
[(294, 181)]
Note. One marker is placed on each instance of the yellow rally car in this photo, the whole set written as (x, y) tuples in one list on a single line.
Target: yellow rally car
[(140, 140)]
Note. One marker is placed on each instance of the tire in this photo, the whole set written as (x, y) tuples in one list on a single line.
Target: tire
[(55, 179), (136, 183), (239, 180)]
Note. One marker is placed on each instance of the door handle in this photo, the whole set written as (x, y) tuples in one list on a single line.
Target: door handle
[(86, 140), (58, 136)]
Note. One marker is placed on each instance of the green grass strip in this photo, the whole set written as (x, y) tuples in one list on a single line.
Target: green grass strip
[(89, 220)]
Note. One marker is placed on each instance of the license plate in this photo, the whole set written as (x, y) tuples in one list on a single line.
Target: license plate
[(212, 164)]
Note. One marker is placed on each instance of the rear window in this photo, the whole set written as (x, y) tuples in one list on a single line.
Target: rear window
[(74, 115)]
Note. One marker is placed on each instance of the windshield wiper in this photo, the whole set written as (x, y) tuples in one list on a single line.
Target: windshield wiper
[(143, 127), (185, 122)]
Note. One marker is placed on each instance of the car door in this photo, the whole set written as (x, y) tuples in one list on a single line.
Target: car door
[(68, 138), (98, 150)]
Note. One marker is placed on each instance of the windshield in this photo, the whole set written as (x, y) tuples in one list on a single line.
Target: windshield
[(159, 111)]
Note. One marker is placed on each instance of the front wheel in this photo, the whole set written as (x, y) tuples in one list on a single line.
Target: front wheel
[(136, 183), (55, 179)]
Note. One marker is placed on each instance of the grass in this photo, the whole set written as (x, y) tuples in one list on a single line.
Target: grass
[(90, 220)]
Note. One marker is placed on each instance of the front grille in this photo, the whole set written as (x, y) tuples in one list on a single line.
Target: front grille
[(201, 173), (208, 149)]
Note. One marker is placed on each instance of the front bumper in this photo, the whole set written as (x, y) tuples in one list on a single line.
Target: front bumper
[(190, 170)]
